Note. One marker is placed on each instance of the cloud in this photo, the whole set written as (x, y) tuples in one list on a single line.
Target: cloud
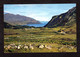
[(42, 18), (7, 12), (39, 17)]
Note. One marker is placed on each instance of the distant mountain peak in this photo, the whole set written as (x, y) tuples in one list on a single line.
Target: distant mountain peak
[(19, 19)]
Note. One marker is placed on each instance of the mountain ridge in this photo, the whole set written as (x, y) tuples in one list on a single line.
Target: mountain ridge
[(64, 19), (19, 19)]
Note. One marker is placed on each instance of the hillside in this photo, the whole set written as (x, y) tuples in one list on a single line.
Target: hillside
[(18, 19), (7, 25), (64, 19)]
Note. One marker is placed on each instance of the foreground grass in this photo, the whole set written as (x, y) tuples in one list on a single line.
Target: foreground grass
[(38, 50), (46, 36)]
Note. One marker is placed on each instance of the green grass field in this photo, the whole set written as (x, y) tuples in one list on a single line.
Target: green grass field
[(44, 36)]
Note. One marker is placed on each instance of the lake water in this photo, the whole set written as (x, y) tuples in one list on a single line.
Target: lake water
[(43, 23)]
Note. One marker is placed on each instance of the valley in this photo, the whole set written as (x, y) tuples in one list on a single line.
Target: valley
[(43, 36), (58, 35)]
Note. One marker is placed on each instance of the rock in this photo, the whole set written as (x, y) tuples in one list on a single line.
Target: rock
[(15, 46), (63, 33), (18, 47), (5, 46), (8, 47), (48, 46), (25, 47), (70, 47), (6, 38), (18, 36), (31, 47), (60, 48), (41, 46), (12, 44)]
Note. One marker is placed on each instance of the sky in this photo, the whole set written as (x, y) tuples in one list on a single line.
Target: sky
[(40, 12)]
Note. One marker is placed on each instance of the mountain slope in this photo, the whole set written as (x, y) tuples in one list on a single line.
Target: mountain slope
[(19, 20), (7, 25), (65, 19)]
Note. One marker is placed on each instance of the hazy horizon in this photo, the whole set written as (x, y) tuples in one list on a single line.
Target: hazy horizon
[(40, 12)]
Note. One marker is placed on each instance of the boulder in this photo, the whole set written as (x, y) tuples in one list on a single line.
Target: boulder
[(41, 46), (48, 47), (25, 47)]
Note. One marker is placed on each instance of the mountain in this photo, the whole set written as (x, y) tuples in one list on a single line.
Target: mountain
[(64, 19), (19, 19), (7, 25)]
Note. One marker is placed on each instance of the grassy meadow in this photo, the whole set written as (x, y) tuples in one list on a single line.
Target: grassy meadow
[(45, 36)]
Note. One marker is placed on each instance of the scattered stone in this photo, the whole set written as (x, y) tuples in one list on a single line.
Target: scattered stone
[(25, 47), (15, 46), (41, 46), (12, 44), (18, 36), (71, 47), (8, 47), (48, 47), (18, 47), (31, 47), (63, 33), (6, 38), (5, 46), (60, 48)]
